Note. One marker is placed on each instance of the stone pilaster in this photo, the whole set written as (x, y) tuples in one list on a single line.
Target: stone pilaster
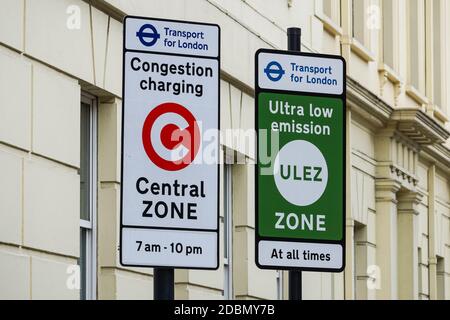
[(432, 260), (407, 242), (386, 237)]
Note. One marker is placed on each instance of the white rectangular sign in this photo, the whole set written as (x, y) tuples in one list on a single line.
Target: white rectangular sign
[(170, 144), (172, 37), (300, 73), (300, 255), (194, 249)]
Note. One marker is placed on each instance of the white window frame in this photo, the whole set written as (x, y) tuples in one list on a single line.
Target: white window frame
[(91, 226), (228, 232)]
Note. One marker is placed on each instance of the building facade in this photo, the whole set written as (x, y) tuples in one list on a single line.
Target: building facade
[(60, 147)]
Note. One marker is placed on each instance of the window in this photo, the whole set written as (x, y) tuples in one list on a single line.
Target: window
[(388, 33), (419, 270), (437, 52), (416, 48), (88, 212), (228, 232), (358, 27), (440, 278), (332, 9), (360, 251), (328, 8)]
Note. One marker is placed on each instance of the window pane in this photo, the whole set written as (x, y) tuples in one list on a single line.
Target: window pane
[(280, 285), (226, 287), (440, 278), (437, 50), (84, 161), (88, 243), (228, 233), (358, 20), (419, 255), (225, 233), (388, 50), (331, 8), (413, 43), (82, 263), (327, 8), (417, 49), (227, 211)]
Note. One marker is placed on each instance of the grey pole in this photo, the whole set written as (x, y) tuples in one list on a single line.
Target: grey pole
[(294, 36)]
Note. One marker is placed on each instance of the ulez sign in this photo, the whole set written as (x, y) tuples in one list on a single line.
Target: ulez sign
[(300, 171)]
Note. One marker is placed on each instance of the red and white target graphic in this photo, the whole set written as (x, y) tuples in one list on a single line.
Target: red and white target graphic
[(171, 136)]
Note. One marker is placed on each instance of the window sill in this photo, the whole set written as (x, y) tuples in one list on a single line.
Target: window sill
[(439, 115), (416, 95), (389, 73), (362, 51), (329, 25)]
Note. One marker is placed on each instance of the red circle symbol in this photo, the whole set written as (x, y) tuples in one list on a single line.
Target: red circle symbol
[(172, 136)]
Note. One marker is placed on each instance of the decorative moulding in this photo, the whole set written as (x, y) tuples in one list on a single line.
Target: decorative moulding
[(419, 127)]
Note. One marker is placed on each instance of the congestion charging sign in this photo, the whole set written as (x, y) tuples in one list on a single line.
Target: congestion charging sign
[(300, 171), (170, 158)]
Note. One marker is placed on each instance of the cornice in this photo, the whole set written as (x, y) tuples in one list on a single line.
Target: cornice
[(358, 97), (438, 154), (419, 127), (109, 9)]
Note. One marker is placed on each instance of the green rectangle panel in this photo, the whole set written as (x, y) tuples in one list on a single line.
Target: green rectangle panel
[(300, 190)]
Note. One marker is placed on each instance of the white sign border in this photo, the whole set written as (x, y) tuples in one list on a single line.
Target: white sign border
[(217, 231), (342, 96)]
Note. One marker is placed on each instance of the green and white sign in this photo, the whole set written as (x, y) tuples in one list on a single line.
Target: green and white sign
[(300, 171)]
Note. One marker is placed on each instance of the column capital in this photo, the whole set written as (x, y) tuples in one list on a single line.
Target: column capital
[(408, 202), (350, 222), (386, 190), (387, 185)]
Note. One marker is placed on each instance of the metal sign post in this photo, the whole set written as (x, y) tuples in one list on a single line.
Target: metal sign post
[(163, 283), (294, 40)]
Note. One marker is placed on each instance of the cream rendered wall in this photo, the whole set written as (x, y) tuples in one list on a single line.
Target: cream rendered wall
[(39, 195), (442, 227), (363, 207)]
